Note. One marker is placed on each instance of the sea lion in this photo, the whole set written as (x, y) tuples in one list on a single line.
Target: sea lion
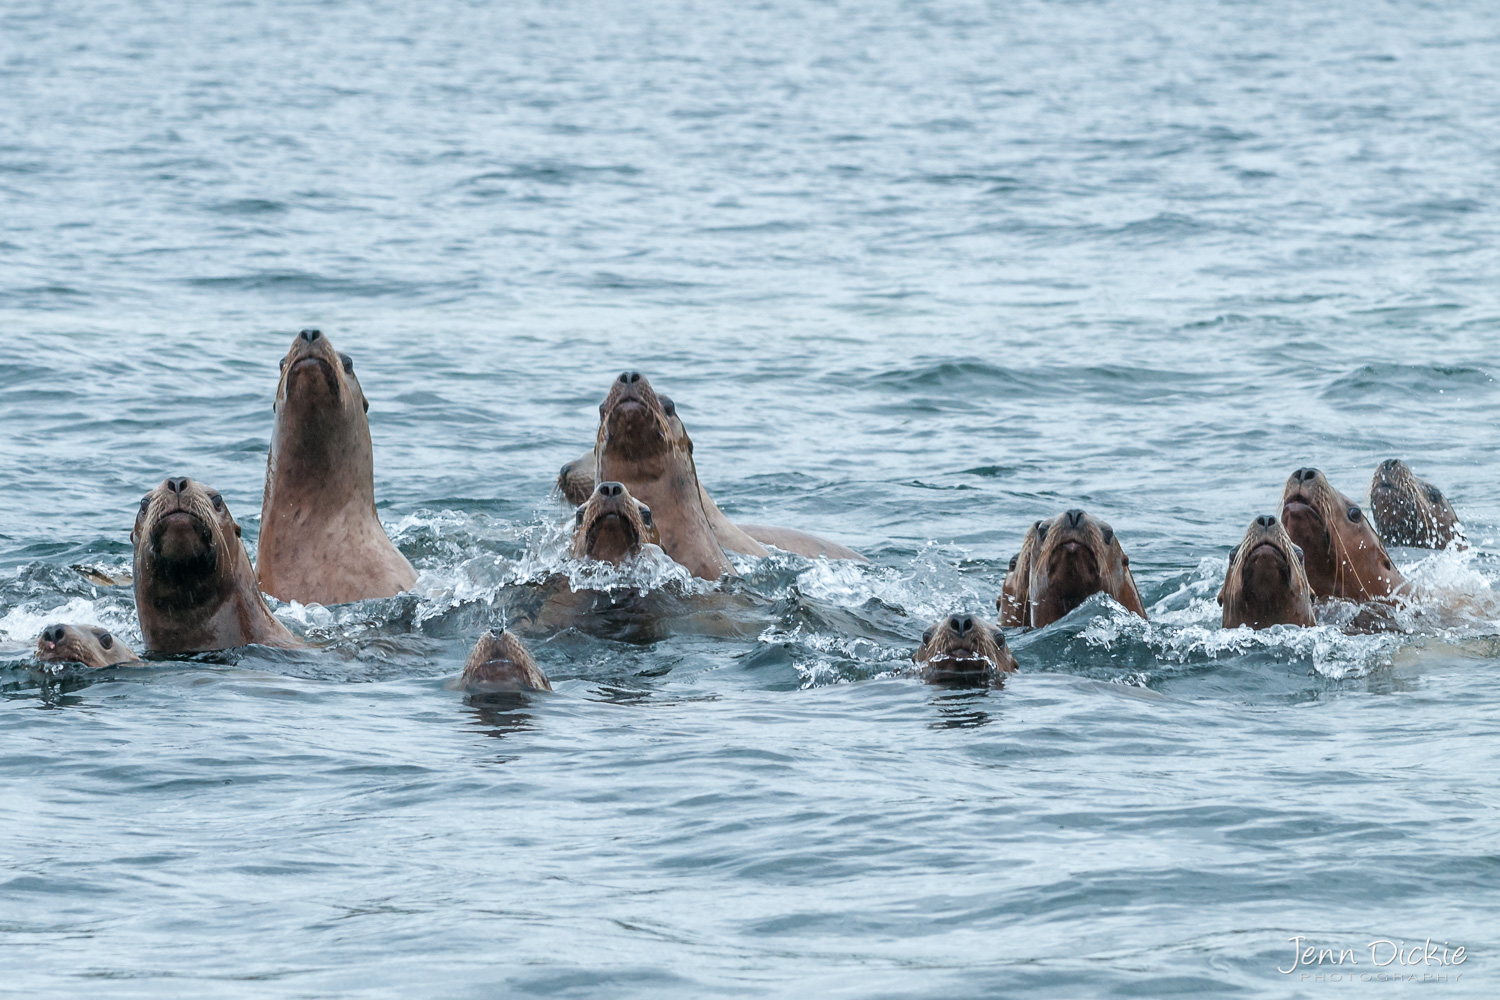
[(1343, 556), (1411, 511), (321, 541), (1077, 557), (963, 649), (500, 664), (1014, 602), (86, 644), (194, 588), (612, 526), (575, 481), (1266, 584), (640, 446)]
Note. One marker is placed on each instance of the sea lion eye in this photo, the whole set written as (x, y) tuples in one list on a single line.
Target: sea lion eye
[(106, 640), (926, 637), (578, 519), (1301, 556), (646, 515), (218, 501), (1013, 560), (1234, 553), (1354, 514), (1108, 533), (667, 406), (283, 364), (1041, 531), (145, 502), (348, 363)]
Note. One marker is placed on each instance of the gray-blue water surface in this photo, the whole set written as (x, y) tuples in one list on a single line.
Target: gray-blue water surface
[(916, 274)]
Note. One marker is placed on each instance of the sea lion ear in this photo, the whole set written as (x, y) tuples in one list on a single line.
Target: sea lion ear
[(367, 404), (238, 531), (1220, 598), (1301, 556)]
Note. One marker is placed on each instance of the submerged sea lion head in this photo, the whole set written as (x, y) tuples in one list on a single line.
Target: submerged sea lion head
[(612, 525), (86, 644), (1078, 556), (1014, 602), (186, 542), (500, 663), (963, 649), (1266, 584), (320, 406), (1409, 510), (1343, 555), (635, 423)]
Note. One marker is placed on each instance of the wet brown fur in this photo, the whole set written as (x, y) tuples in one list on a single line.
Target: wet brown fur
[(1410, 511), (1075, 561), (1014, 602), (194, 588), (1266, 584), (1343, 556), (321, 541), (612, 525), (500, 663), (973, 654), (86, 644)]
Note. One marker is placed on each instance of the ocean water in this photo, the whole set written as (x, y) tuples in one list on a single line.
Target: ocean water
[(916, 274)]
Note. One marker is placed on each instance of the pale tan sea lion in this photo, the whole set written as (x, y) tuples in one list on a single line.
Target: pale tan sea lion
[(963, 649), (612, 526), (1342, 554), (1077, 557), (321, 541), (1411, 511), (89, 645), (1014, 602), (194, 588), (500, 664), (1266, 584), (576, 480), (639, 445)]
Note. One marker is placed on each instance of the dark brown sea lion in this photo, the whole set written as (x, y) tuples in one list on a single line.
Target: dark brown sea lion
[(500, 664), (1411, 511), (1343, 556), (963, 649), (1014, 602), (576, 481), (194, 588), (86, 644), (1266, 584), (1077, 557), (639, 445), (320, 539), (612, 526)]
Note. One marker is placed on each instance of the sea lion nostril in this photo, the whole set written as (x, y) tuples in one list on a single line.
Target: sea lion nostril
[(630, 377), (961, 623), (1265, 520), (1305, 475), (310, 335), (610, 489), (177, 484), (1075, 518)]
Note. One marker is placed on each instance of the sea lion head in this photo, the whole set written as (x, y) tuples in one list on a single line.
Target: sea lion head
[(1343, 556), (963, 649), (86, 644), (1014, 603), (1409, 510), (185, 542), (320, 404), (1266, 584), (500, 663), (612, 525), (637, 424), (1078, 556)]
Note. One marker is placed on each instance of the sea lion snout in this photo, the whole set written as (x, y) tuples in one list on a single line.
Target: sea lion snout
[(52, 635)]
